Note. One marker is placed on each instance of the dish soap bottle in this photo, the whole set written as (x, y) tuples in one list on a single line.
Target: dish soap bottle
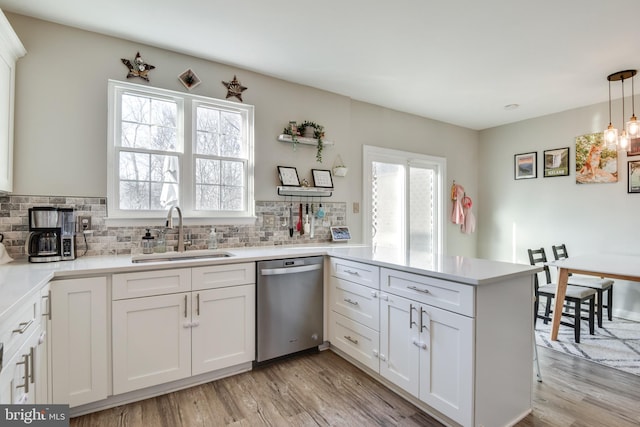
[(147, 243), (213, 242)]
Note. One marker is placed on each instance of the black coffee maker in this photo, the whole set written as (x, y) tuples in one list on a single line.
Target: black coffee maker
[(52, 234)]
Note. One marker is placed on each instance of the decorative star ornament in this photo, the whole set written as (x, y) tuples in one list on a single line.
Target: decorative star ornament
[(138, 68), (234, 88)]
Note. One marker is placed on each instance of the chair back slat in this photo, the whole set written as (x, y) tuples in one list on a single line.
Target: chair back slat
[(560, 251), (539, 257)]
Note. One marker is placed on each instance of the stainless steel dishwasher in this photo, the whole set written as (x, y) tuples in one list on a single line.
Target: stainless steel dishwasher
[(289, 306)]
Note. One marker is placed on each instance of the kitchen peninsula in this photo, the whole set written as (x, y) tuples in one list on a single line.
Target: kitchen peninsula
[(467, 359)]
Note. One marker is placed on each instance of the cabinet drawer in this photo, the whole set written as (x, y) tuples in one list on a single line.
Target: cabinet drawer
[(363, 274), (440, 293), (221, 276), (356, 340), (148, 283), (356, 302), (19, 326)]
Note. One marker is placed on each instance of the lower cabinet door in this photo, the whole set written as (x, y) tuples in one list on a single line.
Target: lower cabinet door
[(399, 342), (446, 363), (223, 332), (18, 377), (356, 340), (151, 341), (79, 347)]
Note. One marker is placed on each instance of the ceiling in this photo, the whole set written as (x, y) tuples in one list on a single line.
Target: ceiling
[(459, 62)]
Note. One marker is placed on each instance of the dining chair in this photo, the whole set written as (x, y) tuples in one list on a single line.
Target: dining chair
[(601, 285), (576, 295)]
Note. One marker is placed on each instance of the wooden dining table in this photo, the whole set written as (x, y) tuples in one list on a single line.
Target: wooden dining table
[(614, 266)]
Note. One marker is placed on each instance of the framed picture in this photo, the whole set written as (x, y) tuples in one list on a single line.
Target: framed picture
[(189, 79), (322, 178), (526, 165), (556, 162), (634, 147), (288, 176), (633, 173), (595, 162)]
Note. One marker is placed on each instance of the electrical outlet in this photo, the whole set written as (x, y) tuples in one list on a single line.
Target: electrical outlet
[(269, 221), (356, 207), (84, 223)]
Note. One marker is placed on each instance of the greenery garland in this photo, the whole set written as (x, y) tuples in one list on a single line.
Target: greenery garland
[(318, 133)]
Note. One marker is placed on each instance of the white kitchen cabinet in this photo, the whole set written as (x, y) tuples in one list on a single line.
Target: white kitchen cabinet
[(174, 335), (18, 382), (354, 314), (10, 50), (428, 352), (79, 345), (151, 341), (42, 371), (223, 332)]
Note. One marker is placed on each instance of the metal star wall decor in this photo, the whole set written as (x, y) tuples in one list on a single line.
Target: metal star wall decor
[(234, 88), (138, 68)]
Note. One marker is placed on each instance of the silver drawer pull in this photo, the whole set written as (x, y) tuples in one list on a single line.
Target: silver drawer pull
[(415, 288), (23, 327), (25, 385), (353, 273), (420, 344), (348, 338), (350, 301)]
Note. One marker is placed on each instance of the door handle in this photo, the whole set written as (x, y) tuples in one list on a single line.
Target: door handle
[(198, 304), (420, 344), (185, 306), (48, 305), (415, 288), (350, 301), (353, 340), (25, 362), (23, 327), (422, 326)]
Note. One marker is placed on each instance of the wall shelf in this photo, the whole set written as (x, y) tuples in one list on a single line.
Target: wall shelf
[(303, 140), (304, 191)]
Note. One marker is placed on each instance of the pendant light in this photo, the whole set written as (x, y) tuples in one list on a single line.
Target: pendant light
[(633, 126), (611, 134)]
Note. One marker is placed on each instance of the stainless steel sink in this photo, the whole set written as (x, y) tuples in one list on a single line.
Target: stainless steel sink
[(180, 256)]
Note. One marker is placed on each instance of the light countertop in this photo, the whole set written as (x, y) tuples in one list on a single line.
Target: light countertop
[(20, 279)]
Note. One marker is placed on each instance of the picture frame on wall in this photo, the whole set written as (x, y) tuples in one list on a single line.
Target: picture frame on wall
[(634, 147), (556, 162), (322, 178), (288, 176), (633, 176), (526, 165)]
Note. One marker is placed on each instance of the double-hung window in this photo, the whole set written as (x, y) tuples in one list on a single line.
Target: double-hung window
[(169, 148)]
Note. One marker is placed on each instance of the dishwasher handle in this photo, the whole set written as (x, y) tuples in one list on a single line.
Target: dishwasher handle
[(290, 270)]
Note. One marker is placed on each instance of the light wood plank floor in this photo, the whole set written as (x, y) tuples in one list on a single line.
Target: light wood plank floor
[(324, 390)]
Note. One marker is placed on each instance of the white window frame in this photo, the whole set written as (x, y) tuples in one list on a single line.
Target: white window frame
[(386, 155), (186, 129)]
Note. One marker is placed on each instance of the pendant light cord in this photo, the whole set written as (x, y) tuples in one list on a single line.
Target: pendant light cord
[(623, 104), (609, 102)]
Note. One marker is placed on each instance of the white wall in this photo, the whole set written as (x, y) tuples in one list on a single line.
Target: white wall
[(533, 213), (61, 114)]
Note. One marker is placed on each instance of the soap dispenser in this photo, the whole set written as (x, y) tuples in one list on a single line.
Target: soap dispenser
[(213, 242), (147, 243)]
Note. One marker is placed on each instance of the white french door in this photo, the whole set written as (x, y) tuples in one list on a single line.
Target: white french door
[(404, 206)]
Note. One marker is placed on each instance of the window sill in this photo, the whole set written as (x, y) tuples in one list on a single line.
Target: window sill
[(160, 222)]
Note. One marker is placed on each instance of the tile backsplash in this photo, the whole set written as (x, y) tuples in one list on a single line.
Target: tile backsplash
[(106, 240)]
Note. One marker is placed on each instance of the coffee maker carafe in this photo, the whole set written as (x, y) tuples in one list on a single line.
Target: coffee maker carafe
[(51, 236)]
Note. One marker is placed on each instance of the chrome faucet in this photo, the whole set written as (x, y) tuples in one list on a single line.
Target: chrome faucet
[(180, 228)]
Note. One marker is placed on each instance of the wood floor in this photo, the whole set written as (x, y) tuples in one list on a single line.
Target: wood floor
[(324, 390)]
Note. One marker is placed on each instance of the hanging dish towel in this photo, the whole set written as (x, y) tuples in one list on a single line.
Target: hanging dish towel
[(469, 224), (457, 194)]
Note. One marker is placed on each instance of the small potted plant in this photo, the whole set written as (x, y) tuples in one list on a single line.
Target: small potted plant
[(318, 133), (339, 169), (293, 131)]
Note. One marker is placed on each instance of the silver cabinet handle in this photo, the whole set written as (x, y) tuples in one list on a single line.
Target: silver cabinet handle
[(48, 305), (422, 326), (351, 301), (420, 344), (411, 322), (25, 385), (374, 294), (23, 327), (198, 304), (351, 272), (185, 306), (353, 340), (290, 270), (32, 366), (415, 288)]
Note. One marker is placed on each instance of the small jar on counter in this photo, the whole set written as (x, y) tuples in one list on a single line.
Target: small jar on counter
[(148, 242)]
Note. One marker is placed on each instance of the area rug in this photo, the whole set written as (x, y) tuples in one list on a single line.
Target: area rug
[(616, 344)]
